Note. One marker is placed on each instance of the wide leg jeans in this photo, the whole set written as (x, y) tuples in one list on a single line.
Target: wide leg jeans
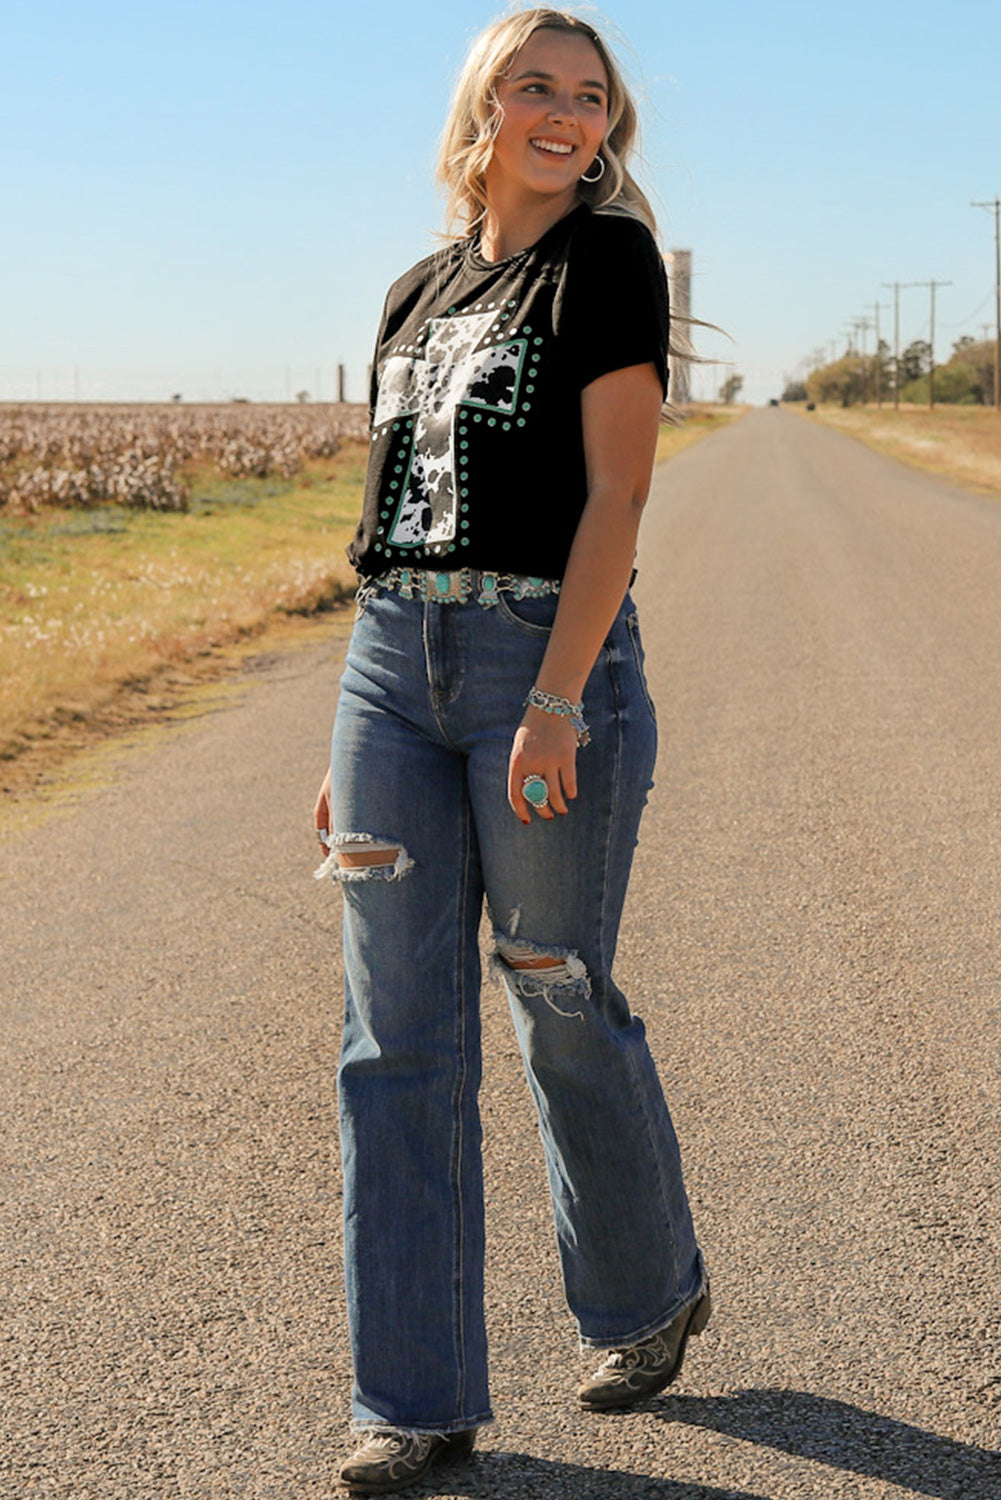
[(430, 699)]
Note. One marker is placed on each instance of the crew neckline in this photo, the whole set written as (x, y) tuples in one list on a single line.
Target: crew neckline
[(480, 262)]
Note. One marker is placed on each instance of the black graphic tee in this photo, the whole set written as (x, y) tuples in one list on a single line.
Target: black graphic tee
[(477, 455)]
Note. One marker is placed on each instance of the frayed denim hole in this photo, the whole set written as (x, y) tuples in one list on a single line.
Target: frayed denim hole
[(561, 984), (395, 866)]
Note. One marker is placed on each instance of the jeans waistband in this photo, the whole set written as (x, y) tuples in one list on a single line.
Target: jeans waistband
[(458, 586)]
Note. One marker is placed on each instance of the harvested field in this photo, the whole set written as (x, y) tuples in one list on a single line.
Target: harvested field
[(146, 457)]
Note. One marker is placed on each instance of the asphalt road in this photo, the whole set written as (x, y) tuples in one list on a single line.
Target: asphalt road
[(812, 937)]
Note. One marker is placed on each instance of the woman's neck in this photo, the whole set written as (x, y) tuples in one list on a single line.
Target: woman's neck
[(510, 227)]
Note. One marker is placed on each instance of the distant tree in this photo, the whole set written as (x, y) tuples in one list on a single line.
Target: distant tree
[(795, 391), (176, 396), (967, 380), (977, 355), (915, 361), (731, 389), (955, 385), (881, 363), (302, 395), (958, 383), (842, 382)]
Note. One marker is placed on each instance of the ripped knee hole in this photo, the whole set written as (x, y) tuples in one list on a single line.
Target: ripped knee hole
[(360, 856), (560, 979), (526, 958), (353, 856)]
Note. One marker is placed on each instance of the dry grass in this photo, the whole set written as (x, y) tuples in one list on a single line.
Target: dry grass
[(94, 604), (699, 421), (960, 443)]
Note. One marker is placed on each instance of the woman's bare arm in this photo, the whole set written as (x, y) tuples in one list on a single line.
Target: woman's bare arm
[(621, 414)]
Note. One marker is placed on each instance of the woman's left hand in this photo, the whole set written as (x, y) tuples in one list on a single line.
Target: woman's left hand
[(544, 745)]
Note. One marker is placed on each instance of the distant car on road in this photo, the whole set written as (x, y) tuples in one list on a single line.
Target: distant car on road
[(774, 401)]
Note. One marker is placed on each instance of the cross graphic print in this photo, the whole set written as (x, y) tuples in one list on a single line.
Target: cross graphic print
[(431, 384)]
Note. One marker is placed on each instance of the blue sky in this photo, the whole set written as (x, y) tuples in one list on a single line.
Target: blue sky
[(212, 198)]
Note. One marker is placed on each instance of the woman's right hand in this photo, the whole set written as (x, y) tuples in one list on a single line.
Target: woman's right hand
[(321, 812)]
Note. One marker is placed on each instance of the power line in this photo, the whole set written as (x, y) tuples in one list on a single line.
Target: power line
[(961, 322)]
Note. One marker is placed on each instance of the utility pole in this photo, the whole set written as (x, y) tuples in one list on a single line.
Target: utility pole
[(863, 325), (931, 338), (897, 285), (877, 308), (995, 205)]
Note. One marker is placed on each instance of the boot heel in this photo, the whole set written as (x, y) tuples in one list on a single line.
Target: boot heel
[(702, 1314)]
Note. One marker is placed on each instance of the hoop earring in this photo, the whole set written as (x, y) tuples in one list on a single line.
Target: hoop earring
[(601, 163)]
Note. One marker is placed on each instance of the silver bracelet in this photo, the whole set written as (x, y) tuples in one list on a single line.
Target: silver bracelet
[(552, 703)]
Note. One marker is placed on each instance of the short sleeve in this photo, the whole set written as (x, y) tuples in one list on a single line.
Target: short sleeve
[(614, 307)]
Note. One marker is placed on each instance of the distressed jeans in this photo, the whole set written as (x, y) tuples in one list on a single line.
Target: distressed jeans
[(429, 703)]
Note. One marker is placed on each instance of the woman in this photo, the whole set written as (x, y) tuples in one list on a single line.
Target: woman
[(494, 738)]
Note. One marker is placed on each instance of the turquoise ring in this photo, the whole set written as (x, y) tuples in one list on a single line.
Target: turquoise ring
[(535, 790)]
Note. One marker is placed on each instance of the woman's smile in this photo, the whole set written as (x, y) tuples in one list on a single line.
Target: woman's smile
[(553, 113)]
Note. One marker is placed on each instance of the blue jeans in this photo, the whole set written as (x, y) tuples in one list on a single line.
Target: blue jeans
[(429, 703)]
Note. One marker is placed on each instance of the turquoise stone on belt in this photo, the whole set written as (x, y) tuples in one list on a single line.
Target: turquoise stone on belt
[(489, 590)]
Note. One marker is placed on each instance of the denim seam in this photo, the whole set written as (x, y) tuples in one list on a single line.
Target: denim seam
[(457, 1101), (615, 779), (637, 1085), (633, 627), (665, 1201), (638, 1090)]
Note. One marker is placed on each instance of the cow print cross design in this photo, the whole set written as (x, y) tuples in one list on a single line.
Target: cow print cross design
[(431, 385)]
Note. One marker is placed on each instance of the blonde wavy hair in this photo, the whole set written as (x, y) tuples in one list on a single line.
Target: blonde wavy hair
[(474, 118)]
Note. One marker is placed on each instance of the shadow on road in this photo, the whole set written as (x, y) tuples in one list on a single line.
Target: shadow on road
[(846, 1437), (517, 1476)]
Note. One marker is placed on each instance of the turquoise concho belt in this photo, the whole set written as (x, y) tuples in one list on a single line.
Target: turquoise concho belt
[(456, 587)]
